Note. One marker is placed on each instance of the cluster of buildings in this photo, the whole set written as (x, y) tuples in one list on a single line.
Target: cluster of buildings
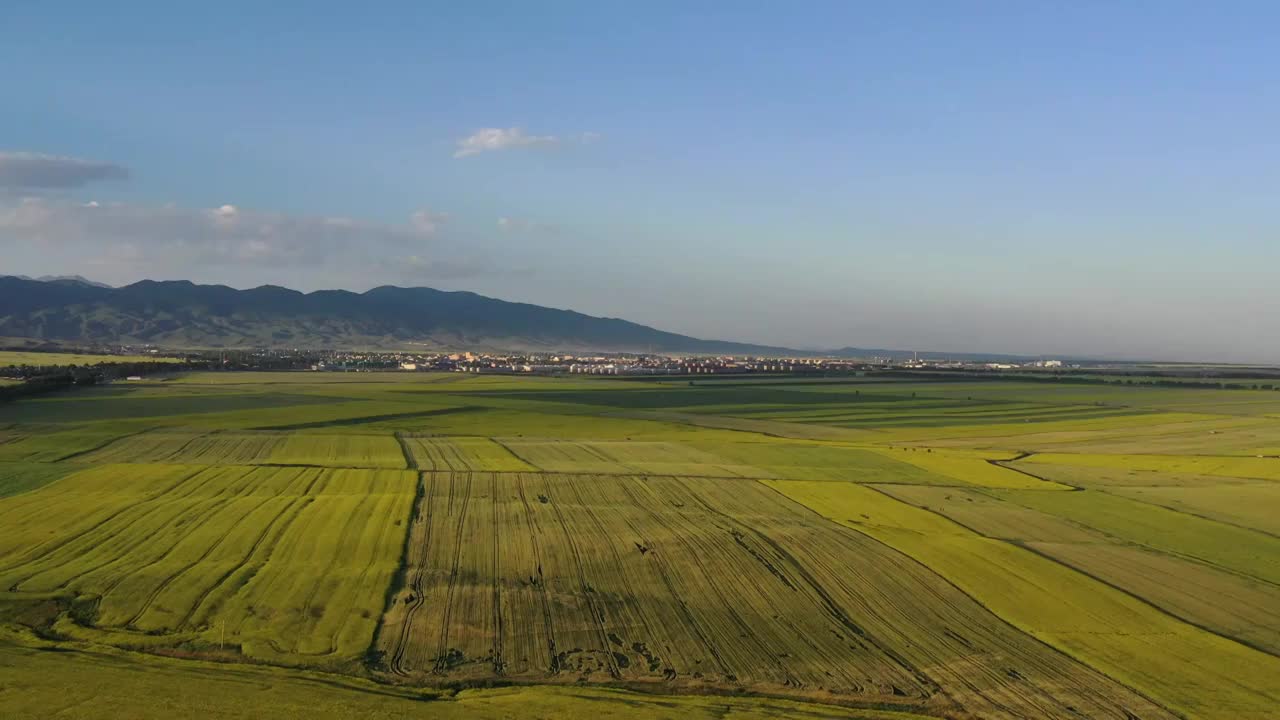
[(634, 364), (574, 364)]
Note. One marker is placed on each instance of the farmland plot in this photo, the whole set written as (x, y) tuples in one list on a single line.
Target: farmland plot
[(804, 461), (19, 477), (440, 453), (626, 458), (1252, 505), (1262, 468), (1224, 602), (288, 564), (1183, 667), (198, 447), (1237, 549), (694, 582), (353, 451), (41, 444), (969, 469)]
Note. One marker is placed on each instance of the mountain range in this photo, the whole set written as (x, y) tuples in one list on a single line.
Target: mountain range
[(70, 309), (181, 314)]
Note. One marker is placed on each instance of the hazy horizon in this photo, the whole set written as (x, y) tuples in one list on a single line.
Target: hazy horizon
[(1005, 178)]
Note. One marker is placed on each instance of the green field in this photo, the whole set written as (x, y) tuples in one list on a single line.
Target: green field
[(383, 545), (10, 358)]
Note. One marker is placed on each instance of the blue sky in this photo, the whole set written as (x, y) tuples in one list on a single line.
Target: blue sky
[(1047, 178)]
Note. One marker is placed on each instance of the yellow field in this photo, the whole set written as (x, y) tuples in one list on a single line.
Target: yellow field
[(1264, 468), (1186, 669), (115, 686), (284, 563)]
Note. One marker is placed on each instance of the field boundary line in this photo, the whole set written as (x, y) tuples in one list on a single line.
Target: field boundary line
[(829, 604), (367, 419), (1188, 513), (291, 510), (1121, 540), (410, 462), (156, 509), (210, 514), (103, 444), (1053, 648), (1139, 598), (414, 582), (36, 552)]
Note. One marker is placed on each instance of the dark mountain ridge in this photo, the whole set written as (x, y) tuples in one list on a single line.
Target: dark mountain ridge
[(184, 314)]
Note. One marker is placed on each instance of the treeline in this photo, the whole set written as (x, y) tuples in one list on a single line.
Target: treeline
[(1081, 379), (42, 379)]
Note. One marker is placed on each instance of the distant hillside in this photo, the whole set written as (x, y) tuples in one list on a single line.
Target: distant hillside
[(183, 314), (78, 279)]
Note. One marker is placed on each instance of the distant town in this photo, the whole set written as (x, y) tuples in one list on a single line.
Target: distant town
[(128, 362), (636, 364)]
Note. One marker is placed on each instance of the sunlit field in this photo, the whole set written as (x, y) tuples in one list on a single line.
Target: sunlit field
[(392, 544)]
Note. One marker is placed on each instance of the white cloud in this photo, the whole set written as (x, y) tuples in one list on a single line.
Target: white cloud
[(32, 171), (493, 139)]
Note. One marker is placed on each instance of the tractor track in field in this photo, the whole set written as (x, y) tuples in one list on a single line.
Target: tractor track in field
[(499, 665), (545, 602), (202, 514), (630, 593), (442, 646), (597, 615), (291, 511), (664, 572), (101, 445), (350, 527), (409, 460), (1052, 649), (205, 515), (146, 605), (745, 629), (35, 553), (414, 580), (829, 605), (53, 546)]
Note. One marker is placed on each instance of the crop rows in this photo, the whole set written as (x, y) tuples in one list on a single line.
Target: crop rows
[(693, 582), (286, 563), (483, 454), (1184, 667)]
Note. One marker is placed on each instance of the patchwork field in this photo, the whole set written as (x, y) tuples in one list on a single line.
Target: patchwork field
[(886, 549)]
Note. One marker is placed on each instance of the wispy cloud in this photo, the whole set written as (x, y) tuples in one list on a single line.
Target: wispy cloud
[(36, 171), (510, 224), (146, 239), (494, 139)]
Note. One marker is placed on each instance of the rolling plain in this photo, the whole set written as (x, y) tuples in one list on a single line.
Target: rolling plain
[(451, 545)]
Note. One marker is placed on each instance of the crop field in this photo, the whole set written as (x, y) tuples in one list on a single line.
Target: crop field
[(482, 454), (17, 358), (548, 547), (280, 561), (176, 446)]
